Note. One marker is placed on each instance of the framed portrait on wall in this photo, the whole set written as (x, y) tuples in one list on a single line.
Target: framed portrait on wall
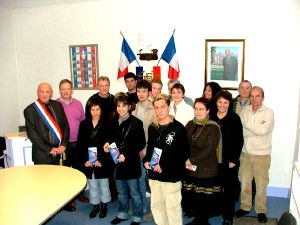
[(224, 62), (84, 66)]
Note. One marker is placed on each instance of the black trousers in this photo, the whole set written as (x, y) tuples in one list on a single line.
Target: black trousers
[(229, 182), (72, 159), (202, 204)]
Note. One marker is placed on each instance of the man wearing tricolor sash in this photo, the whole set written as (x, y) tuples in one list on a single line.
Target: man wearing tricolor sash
[(47, 127)]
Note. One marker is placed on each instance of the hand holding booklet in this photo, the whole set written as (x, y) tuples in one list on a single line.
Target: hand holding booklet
[(92, 151), (155, 157), (114, 152), (190, 166)]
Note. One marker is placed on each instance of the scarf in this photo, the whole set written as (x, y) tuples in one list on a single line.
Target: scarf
[(206, 121), (122, 119)]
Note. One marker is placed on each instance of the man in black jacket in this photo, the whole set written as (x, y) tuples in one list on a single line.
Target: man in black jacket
[(47, 127), (106, 99)]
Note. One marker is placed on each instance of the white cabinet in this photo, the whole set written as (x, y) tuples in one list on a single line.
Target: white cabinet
[(295, 193), (18, 150)]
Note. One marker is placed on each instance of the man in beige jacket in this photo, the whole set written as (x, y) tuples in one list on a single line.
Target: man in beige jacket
[(258, 123)]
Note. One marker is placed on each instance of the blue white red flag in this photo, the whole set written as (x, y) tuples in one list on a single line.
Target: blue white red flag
[(169, 55), (48, 120), (127, 57)]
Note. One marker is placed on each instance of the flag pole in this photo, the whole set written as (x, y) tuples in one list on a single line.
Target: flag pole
[(124, 38), (158, 61), (161, 54)]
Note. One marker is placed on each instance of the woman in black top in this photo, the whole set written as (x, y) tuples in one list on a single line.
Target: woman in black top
[(232, 143), (95, 163), (130, 139)]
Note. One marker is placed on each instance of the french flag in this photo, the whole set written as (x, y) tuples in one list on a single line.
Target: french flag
[(127, 57), (169, 56)]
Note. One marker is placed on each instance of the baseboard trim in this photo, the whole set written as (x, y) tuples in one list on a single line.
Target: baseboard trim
[(278, 192)]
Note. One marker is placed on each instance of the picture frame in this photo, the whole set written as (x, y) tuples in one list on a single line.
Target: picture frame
[(84, 66), (224, 62)]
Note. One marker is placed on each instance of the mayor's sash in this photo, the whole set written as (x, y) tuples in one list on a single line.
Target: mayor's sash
[(48, 120)]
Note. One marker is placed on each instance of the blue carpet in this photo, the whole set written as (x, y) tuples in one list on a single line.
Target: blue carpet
[(276, 207)]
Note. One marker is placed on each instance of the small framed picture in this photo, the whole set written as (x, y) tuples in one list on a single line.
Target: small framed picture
[(224, 62), (84, 66)]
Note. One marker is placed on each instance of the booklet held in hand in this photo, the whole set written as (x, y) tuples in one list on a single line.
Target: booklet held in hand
[(92, 155), (155, 157), (114, 152)]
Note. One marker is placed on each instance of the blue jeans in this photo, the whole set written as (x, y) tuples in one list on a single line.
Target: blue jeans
[(123, 196), (99, 190), (142, 182)]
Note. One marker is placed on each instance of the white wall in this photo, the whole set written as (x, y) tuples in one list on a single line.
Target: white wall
[(271, 30), (9, 97)]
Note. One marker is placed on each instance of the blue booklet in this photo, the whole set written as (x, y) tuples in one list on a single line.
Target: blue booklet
[(155, 157), (92, 155), (114, 152)]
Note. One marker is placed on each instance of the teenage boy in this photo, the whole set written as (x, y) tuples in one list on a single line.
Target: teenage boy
[(130, 82), (156, 87), (169, 136), (144, 111)]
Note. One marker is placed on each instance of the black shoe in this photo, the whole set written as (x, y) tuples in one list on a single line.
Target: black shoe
[(94, 212), (117, 220), (135, 223), (262, 218), (103, 210), (241, 213)]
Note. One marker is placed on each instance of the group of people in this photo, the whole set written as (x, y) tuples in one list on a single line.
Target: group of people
[(207, 146), (243, 153)]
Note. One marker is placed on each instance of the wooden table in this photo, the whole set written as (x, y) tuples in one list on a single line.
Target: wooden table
[(32, 194)]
